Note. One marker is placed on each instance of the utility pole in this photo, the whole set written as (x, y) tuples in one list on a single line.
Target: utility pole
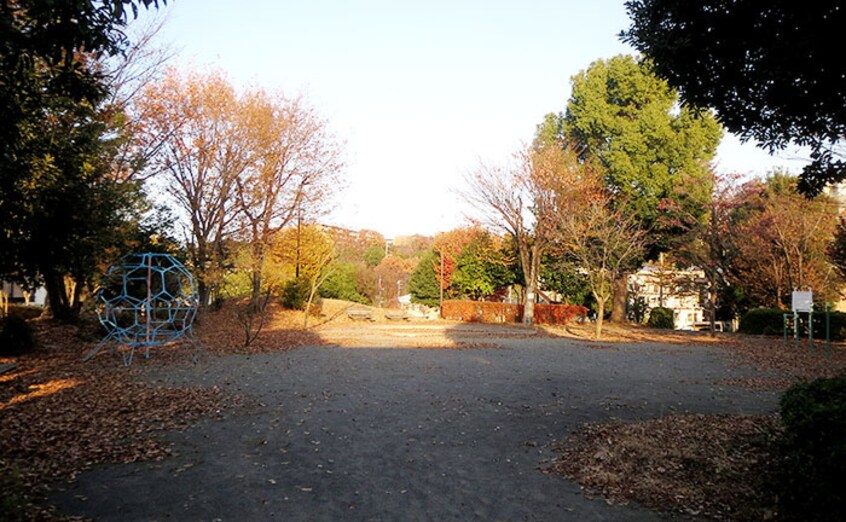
[(441, 281)]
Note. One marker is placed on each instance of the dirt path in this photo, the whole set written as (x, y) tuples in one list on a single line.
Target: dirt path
[(369, 433)]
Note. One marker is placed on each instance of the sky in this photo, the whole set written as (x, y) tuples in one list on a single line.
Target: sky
[(419, 92)]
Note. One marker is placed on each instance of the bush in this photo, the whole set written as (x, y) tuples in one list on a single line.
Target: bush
[(295, 294), (16, 337), (26, 311), (661, 318), (813, 450), (836, 325), (762, 321)]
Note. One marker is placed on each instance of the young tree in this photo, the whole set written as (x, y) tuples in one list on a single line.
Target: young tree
[(520, 199), (763, 66), (601, 240), (424, 282), (628, 122)]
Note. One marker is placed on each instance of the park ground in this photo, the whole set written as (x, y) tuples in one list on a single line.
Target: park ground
[(386, 420)]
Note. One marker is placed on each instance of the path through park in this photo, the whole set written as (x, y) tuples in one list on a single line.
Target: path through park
[(359, 433)]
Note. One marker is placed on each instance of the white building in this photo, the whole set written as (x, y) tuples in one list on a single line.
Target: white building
[(678, 290)]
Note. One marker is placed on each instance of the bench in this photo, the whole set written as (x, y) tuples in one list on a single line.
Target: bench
[(360, 314), (396, 315)]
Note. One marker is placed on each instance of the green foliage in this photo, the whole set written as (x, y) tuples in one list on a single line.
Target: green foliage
[(374, 255), (237, 283), (762, 321), (423, 284), (654, 154), (567, 281), (638, 309), (295, 294), (60, 214), (341, 284), (661, 318), (480, 269), (16, 336), (773, 90), (813, 450)]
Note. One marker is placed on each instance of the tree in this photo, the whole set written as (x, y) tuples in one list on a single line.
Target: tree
[(423, 283), (482, 268), (201, 156), (765, 67), (291, 170), (602, 239), (785, 242), (520, 199), (627, 120), (60, 215), (711, 244)]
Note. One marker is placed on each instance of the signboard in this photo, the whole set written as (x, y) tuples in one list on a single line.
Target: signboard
[(803, 301)]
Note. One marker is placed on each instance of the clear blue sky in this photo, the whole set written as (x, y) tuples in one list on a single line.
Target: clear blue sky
[(420, 91)]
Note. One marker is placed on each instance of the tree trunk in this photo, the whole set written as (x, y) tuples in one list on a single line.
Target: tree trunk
[(618, 305), (600, 312), (57, 299), (529, 303)]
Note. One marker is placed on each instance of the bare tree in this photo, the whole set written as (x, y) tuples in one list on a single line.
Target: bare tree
[(521, 200)]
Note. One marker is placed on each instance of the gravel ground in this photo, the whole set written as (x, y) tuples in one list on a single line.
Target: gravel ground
[(407, 434)]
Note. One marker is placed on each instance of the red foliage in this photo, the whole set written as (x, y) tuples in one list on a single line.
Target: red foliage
[(484, 312), (558, 313)]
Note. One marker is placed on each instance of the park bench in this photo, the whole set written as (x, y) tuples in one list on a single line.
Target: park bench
[(360, 314), (396, 315)]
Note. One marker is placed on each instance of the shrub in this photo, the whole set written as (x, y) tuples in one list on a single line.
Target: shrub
[(16, 337), (661, 318), (837, 325), (558, 313), (295, 294), (813, 450), (762, 321), (26, 311)]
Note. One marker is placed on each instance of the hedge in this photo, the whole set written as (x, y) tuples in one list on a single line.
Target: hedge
[(485, 312), (558, 313), (763, 321), (813, 450)]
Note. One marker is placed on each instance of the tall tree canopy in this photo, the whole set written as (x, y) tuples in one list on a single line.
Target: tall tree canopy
[(628, 120), (59, 209), (764, 66)]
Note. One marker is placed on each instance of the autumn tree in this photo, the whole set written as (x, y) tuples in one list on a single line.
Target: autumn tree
[(520, 200), (767, 68), (291, 170), (447, 247), (711, 244), (201, 156), (628, 122), (785, 239), (600, 237)]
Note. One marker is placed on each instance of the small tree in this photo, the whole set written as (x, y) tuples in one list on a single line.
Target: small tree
[(520, 199), (602, 240)]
